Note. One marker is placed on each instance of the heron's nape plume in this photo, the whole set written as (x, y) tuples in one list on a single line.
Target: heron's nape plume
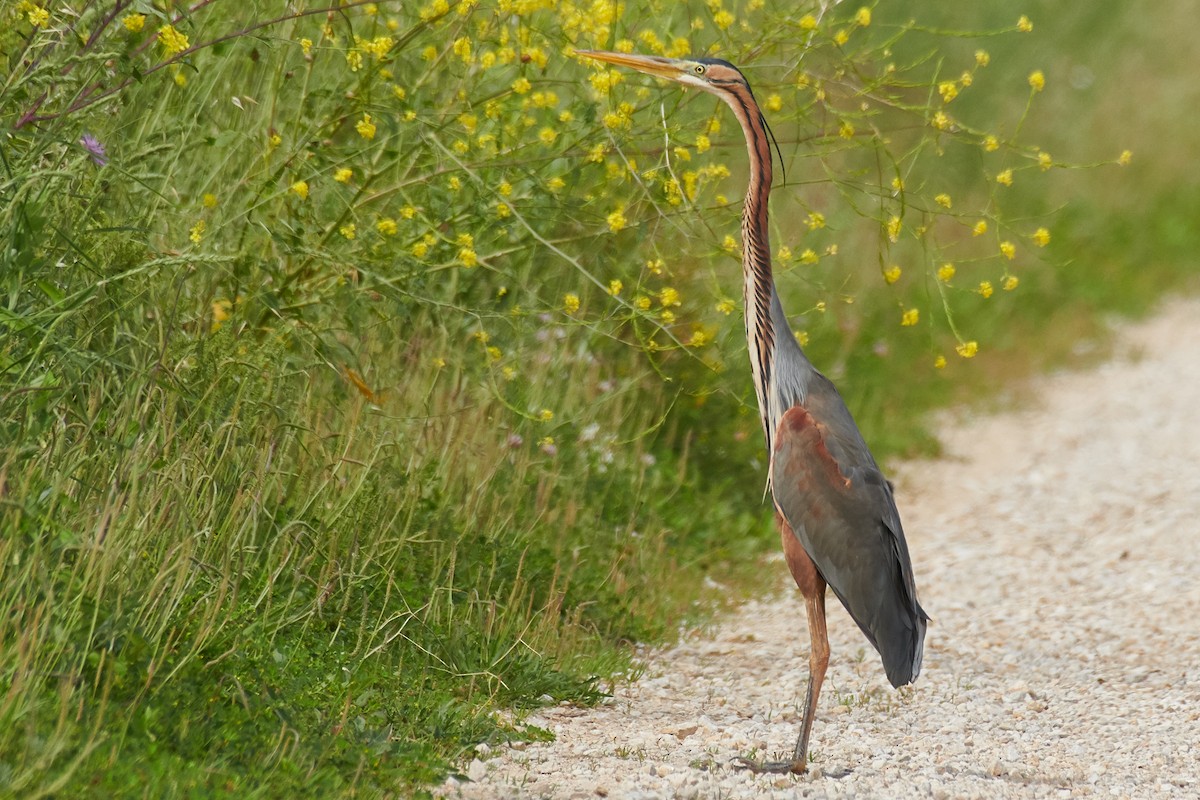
[(836, 512)]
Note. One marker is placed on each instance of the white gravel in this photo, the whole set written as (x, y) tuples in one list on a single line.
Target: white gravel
[(1057, 549)]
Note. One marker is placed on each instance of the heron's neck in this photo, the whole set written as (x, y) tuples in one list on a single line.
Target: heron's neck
[(759, 284)]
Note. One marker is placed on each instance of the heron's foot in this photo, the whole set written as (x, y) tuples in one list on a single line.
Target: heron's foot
[(796, 766)]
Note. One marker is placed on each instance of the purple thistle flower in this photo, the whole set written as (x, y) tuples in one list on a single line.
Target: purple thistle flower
[(93, 146)]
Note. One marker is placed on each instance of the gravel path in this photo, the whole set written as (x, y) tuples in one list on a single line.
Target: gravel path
[(1057, 549)]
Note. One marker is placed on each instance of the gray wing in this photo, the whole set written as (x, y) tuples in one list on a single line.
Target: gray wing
[(841, 509)]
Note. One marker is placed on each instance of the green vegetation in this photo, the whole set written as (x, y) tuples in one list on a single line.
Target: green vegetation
[(369, 377)]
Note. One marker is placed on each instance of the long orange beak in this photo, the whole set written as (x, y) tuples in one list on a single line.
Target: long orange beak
[(658, 66)]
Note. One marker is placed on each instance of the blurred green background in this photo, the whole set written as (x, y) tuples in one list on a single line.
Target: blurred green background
[(370, 377)]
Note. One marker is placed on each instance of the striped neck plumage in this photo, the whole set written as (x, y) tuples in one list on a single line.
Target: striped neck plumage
[(759, 284)]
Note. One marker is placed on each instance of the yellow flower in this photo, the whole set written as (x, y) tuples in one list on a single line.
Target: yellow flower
[(209, 201), (468, 257), (220, 312), (702, 143), (387, 226), (942, 200), (642, 302), (1037, 80), (547, 135), (1024, 25), (723, 19), (503, 210), (801, 338), (274, 140), (939, 362), (462, 49), (725, 306), (197, 232), (948, 90), (1041, 237), (408, 212), (774, 103), (1125, 157), (841, 37), (1010, 283), (982, 58), (893, 229), (555, 184), (134, 22), (365, 127), (172, 40), (699, 339), (38, 17), (941, 121), (465, 240), (343, 175), (180, 79), (668, 297), (305, 46), (991, 143), (545, 415), (1004, 178), (967, 349), (785, 254), (808, 22), (1009, 250), (846, 130), (683, 154), (354, 60), (570, 302), (729, 244), (616, 220), (946, 272), (910, 317), (455, 183), (399, 92), (980, 228), (815, 220), (494, 353), (615, 286), (521, 85), (301, 189), (419, 249), (985, 289), (863, 16), (809, 257), (435, 9), (667, 317), (891, 274), (1045, 161), (349, 230)]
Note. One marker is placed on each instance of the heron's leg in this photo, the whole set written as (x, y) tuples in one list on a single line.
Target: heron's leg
[(818, 662), (812, 587)]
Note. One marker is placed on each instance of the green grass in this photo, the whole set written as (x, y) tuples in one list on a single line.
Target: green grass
[(275, 520)]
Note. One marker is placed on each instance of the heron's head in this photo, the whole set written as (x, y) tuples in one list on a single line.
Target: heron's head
[(710, 74)]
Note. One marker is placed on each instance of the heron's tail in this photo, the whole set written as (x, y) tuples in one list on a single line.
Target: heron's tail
[(899, 637)]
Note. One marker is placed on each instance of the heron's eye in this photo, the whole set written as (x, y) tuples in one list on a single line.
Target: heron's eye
[(699, 69)]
